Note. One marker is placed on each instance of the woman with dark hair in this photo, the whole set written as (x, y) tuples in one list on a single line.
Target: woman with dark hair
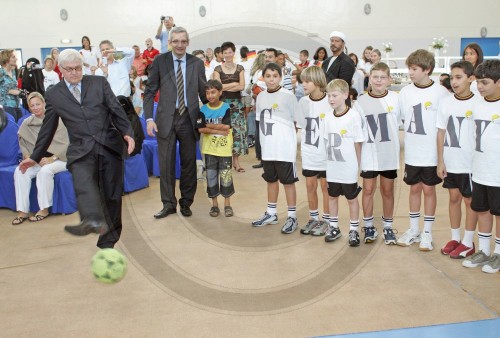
[(474, 54), (232, 77), (90, 58), (320, 56)]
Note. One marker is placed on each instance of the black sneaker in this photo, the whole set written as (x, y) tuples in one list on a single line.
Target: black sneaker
[(389, 237), (353, 238), (332, 234)]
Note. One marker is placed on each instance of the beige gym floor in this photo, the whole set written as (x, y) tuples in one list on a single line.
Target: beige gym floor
[(220, 277)]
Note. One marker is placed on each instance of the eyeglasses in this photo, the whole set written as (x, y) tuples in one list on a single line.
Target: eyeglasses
[(71, 70), (376, 77), (180, 42)]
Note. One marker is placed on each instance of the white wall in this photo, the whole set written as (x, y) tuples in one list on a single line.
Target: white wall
[(286, 24)]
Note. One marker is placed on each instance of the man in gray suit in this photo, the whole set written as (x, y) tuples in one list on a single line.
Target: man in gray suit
[(180, 78), (98, 129)]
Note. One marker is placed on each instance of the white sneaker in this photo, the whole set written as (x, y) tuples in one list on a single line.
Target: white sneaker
[(265, 220), (425, 242), (408, 238)]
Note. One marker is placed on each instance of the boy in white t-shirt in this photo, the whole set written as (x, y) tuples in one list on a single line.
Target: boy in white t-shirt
[(343, 135), (485, 164), (455, 146), (380, 151), (313, 109), (419, 103), (276, 110)]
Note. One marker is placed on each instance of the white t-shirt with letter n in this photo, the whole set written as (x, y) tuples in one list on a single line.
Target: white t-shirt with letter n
[(340, 134), (486, 158), (276, 112), (310, 120), (456, 117), (419, 110), (380, 151)]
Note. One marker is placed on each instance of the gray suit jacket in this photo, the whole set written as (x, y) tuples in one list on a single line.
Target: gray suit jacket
[(162, 77), (100, 118)]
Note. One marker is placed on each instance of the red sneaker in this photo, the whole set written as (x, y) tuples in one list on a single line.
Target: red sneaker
[(462, 251), (449, 247)]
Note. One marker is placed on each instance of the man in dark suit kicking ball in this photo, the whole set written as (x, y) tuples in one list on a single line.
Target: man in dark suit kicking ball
[(180, 78), (97, 128)]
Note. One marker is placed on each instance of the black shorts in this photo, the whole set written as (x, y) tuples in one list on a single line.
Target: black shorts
[(462, 182), (484, 198), (313, 173), (285, 172), (390, 174), (426, 175), (350, 191)]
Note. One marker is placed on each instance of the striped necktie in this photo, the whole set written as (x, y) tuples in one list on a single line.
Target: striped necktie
[(76, 93), (180, 88)]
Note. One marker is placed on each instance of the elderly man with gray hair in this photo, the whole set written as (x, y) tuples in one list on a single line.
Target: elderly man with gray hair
[(98, 131)]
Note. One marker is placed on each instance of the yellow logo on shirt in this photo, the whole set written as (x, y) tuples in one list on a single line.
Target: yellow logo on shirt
[(468, 114), (275, 107), (343, 132), (322, 116), (427, 104), (390, 109), (495, 117)]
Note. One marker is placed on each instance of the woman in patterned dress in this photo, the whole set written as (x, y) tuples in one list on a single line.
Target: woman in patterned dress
[(232, 77)]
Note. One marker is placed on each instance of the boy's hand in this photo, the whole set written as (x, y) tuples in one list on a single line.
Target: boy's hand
[(441, 170)]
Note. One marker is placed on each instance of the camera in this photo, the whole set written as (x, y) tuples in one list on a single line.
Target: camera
[(164, 17)]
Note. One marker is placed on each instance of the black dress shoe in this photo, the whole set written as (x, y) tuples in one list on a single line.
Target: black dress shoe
[(186, 211), (257, 166), (87, 227), (165, 212)]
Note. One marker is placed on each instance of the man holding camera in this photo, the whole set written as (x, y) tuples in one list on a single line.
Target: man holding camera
[(115, 66), (163, 36)]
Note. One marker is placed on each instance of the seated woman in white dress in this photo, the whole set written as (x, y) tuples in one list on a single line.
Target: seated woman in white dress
[(53, 162)]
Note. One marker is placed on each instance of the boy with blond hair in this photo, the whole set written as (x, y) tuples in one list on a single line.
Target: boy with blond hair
[(418, 104), (312, 111), (380, 151), (343, 135)]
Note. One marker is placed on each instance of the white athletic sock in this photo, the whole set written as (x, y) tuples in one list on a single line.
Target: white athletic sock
[(497, 245), (414, 218), (368, 221), (428, 221), (484, 242), (326, 218), (455, 234), (387, 222), (314, 214), (354, 225), (468, 238), (334, 221), (271, 208), (292, 211)]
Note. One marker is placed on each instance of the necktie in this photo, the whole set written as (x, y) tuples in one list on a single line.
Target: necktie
[(180, 88), (76, 93)]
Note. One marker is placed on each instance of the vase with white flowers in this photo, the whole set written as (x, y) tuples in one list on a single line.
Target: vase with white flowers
[(387, 46), (437, 45)]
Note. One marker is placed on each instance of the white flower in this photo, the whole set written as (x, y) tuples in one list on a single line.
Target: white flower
[(439, 43), (387, 47)]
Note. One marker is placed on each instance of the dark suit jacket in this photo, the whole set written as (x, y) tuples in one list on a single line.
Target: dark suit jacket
[(162, 77), (342, 68), (98, 119)]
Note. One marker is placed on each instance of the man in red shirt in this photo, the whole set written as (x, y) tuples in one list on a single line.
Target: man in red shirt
[(139, 63), (150, 52)]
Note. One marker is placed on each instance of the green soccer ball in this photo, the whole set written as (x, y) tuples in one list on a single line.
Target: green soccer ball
[(109, 266)]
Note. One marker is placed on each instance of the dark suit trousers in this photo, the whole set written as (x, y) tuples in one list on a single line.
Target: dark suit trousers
[(183, 132), (98, 181)]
